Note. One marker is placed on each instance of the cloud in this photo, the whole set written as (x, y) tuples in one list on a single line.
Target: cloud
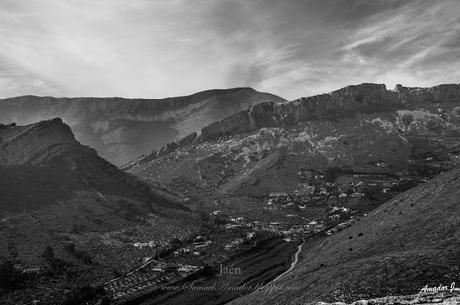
[(162, 48)]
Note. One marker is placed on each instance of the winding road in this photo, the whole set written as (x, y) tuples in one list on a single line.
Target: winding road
[(293, 263)]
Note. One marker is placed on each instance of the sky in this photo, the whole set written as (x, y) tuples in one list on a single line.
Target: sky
[(162, 48)]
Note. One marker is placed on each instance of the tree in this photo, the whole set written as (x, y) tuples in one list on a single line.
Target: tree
[(218, 221), (116, 273), (175, 242), (48, 254), (331, 174), (10, 277)]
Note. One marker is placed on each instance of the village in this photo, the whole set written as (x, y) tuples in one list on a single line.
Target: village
[(229, 235), (339, 187), (342, 197)]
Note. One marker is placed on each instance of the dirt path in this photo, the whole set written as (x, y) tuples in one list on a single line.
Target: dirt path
[(293, 263)]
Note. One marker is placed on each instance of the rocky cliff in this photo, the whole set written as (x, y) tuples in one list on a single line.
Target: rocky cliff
[(346, 102), (123, 129)]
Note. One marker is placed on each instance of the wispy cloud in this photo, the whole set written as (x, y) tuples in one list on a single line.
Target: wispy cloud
[(161, 48)]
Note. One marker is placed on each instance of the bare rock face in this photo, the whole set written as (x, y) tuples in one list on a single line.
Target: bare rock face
[(345, 102), (438, 94)]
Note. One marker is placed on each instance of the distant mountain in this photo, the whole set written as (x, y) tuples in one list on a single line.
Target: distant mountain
[(55, 192), (408, 243), (123, 129), (406, 133)]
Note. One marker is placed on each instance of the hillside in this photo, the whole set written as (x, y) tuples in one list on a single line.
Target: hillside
[(47, 153), (377, 144), (407, 243), (123, 129), (56, 193)]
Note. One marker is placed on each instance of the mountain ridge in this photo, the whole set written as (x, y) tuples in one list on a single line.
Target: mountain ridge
[(341, 103), (204, 92), (121, 129)]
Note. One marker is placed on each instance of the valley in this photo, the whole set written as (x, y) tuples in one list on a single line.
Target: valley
[(297, 176), (233, 205)]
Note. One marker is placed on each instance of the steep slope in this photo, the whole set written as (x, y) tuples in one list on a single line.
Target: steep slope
[(56, 193), (123, 129), (377, 141), (407, 243)]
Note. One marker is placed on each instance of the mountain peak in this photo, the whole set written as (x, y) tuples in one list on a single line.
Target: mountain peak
[(30, 144)]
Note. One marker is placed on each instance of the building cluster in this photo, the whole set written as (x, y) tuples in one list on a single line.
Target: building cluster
[(338, 212), (341, 226), (198, 244), (319, 188), (151, 277)]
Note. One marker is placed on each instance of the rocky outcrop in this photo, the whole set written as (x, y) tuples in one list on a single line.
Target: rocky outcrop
[(438, 94), (345, 102), (342, 103), (36, 143)]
